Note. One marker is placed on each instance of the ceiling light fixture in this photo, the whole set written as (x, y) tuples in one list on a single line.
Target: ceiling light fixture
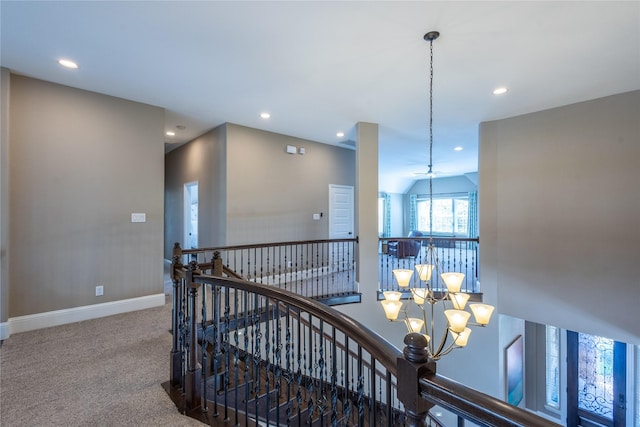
[(500, 91), (340, 134), (265, 115), (170, 133), (458, 148), (68, 63), (430, 290)]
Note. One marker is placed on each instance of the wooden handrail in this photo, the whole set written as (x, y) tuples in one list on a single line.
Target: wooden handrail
[(266, 245), (477, 406)]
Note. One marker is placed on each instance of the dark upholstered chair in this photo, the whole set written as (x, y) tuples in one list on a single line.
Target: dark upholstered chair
[(405, 248)]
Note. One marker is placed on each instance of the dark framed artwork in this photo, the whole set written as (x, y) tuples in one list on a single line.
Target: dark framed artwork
[(514, 354)]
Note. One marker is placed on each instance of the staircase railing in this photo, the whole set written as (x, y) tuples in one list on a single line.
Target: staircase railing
[(247, 354), (319, 269)]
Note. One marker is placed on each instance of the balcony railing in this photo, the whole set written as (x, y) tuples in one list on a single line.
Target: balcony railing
[(248, 354), (453, 254), (319, 269)]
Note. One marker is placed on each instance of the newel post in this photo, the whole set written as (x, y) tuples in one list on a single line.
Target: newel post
[(415, 364), (193, 386)]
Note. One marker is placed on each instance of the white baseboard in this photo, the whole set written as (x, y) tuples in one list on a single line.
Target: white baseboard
[(77, 314), (4, 330)]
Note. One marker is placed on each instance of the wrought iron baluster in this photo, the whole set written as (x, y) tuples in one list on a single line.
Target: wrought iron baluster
[(203, 327), (301, 340), (247, 361), (236, 353), (334, 379), (288, 371), (360, 388), (226, 345), (267, 358), (278, 358), (310, 363)]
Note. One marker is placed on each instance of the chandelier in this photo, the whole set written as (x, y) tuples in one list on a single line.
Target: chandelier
[(430, 299)]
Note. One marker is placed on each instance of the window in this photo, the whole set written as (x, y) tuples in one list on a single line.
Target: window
[(552, 378), (381, 216), (450, 215)]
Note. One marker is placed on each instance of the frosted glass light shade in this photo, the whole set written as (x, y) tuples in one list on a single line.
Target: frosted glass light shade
[(453, 281), (457, 319), (461, 338), (424, 271), (403, 277), (392, 295), (419, 295), (414, 324), (459, 300), (391, 308), (482, 313)]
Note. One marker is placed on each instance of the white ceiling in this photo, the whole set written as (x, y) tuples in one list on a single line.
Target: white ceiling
[(320, 67)]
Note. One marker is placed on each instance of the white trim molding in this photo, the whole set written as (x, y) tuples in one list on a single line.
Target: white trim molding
[(77, 314), (4, 331)]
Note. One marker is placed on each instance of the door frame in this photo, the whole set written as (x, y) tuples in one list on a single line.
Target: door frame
[(186, 201)]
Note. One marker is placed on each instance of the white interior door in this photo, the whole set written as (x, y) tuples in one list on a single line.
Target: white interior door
[(341, 205), (191, 215)]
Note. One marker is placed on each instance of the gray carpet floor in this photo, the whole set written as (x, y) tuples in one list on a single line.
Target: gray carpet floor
[(101, 372)]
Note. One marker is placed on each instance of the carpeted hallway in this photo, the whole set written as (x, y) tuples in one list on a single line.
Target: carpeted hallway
[(101, 372)]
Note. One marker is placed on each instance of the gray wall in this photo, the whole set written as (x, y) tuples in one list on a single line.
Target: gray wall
[(271, 195), (80, 164), (559, 211), (4, 198), (202, 160), (262, 194)]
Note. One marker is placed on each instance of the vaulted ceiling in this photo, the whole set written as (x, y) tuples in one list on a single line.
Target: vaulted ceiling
[(319, 67)]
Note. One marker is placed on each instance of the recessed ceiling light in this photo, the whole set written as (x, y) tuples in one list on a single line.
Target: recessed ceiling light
[(340, 134), (500, 91), (170, 133), (67, 63), (265, 115), (458, 148)]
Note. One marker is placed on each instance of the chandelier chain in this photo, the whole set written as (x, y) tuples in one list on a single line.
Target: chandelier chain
[(430, 169)]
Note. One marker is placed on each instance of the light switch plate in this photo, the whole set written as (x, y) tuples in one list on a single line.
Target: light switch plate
[(138, 217)]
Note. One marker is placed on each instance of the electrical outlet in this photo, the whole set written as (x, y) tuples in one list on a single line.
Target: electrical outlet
[(99, 291)]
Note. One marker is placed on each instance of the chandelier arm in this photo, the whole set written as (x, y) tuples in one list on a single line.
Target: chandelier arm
[(443, 341), (449, 349), (476, 324), (433, 328)]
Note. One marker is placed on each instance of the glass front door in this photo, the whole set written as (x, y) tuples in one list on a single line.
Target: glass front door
[(596, 381)]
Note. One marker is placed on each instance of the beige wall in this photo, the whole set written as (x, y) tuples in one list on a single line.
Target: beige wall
[(272, 195), (4, 200), (80, 164), (262, 194), (559, 211), (202, 160)]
